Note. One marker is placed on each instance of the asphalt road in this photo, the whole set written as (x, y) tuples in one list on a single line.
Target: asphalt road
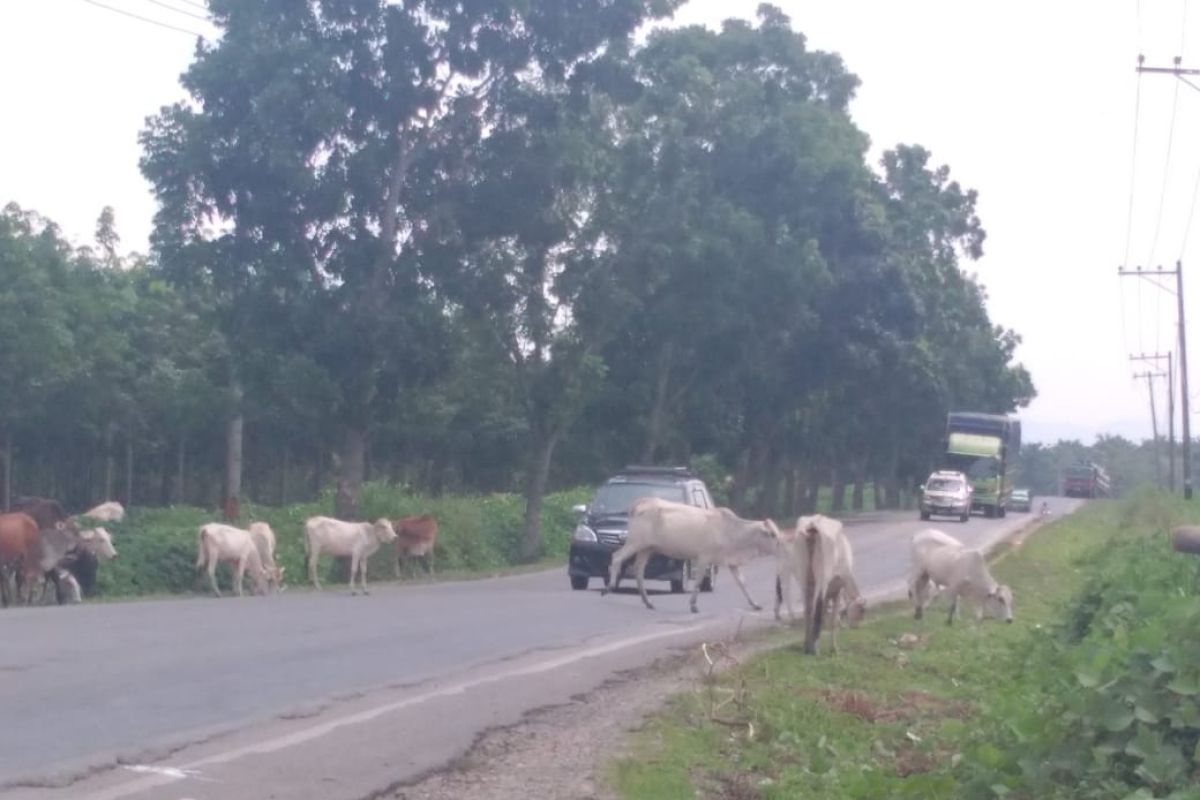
[(326, 695)]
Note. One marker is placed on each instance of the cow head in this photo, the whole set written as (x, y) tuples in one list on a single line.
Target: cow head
[(98, 542), (999, 602), (384, 530), (856, 611)]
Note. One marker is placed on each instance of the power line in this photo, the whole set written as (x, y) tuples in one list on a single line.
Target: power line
[(178, 10), (194, 4), (144, 19), (1162, 197)]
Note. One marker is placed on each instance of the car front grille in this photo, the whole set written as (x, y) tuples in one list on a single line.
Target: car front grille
[(610, 536)]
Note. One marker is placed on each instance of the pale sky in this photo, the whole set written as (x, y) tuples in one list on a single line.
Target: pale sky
[(1031, 103)]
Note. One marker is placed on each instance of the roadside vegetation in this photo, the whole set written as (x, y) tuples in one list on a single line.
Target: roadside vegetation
[(1091, 693)]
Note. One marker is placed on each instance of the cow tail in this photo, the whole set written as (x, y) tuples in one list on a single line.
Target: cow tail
[(200, 553)]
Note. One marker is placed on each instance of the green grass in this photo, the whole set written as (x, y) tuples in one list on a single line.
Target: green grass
[(888, 716), (477, 535)]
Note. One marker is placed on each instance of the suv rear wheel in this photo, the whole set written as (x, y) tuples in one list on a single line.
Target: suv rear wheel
[(579, 582)]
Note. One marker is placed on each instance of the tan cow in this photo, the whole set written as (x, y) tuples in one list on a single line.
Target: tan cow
[(817, 554), (264, 542), (216, 542), (358, 540)]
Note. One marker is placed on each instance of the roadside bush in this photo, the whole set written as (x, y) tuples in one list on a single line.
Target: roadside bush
[(1107, 705), (475, 533)]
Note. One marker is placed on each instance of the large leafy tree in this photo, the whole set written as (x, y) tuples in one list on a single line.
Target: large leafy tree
[(303, 179)]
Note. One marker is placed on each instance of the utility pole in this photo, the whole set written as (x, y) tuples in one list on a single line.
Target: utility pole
[(1170, 359), (1150, 376), (1182, 74), (1185, 413)]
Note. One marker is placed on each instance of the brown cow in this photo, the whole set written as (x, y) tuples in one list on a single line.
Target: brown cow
[(415, 537), (19, 553)]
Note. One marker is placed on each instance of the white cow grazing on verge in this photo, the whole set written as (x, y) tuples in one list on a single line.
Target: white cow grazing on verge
[(264, 542), (358, 540), (820, 543), (704, 536), (216, 542), (940, 559), (111, 511)]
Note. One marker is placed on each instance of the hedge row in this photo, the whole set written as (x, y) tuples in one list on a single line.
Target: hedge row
[(157, 546)]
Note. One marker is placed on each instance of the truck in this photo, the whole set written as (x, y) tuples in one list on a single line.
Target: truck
[(1087, 479), (985, 448)]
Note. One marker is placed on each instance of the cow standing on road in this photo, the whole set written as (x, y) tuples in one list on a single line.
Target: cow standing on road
[(704, 536), (415, 538)]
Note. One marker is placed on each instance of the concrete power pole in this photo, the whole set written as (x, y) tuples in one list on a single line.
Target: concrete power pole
[(1150, 376), (1184, 405), (1171, 456)]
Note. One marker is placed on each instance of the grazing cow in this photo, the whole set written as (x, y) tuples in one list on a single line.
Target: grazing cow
[(940, 559), (358, 540), (818, 555), (415, 537), (110, 511), (705, 536), (64, 545), (264, 541), (217, 542), (19, 550), (80, 563)]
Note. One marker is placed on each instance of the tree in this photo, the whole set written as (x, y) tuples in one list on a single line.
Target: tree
[(304, 178)]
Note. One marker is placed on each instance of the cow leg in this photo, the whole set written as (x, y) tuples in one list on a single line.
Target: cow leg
[(918, 587), (699, 570), (314, 554), (353, 570), (953, 606), (835, 598), (429, 560), (362, 574), (239, 575), (212, 574), (639, 568), (614, 569), (736, 572)]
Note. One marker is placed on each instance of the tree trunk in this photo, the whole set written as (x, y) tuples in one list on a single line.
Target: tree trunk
[(860, 482), (350, 474), (233, 454), (877, 491), (799, 493), (769, 504), (535, 490), (110, 462), (789, 490), (284, 468), (837, 481), (180, 472), (891, 486), (129, 468), (8, 471), (658, 410)]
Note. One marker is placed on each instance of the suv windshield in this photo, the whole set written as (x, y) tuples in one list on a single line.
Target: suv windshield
[(944, 485), (616, 498)]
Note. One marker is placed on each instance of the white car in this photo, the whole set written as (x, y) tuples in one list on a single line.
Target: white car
[(946, 493)]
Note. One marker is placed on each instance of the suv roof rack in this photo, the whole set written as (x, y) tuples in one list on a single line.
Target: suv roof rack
[(640, 469)]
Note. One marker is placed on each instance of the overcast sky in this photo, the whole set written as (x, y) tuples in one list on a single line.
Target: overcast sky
[(1031, 103)]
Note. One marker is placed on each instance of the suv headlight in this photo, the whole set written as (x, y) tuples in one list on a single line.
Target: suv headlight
[(584, 534)]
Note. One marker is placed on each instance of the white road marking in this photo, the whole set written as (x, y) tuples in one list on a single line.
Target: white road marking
[(168, 775)]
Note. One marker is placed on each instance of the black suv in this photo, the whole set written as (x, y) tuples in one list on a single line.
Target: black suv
[(604, 522)]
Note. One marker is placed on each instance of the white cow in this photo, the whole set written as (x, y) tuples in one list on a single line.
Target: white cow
[(704, 536), (111, 511), (940, 559), (216, 542), (358, 540), (264, 541), (818, 541)]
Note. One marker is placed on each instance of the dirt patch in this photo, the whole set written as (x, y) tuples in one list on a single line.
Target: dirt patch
[(908, 707), (911, 761), (559, 753)]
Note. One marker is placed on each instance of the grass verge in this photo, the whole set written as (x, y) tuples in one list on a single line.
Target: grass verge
[(914, 709)]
